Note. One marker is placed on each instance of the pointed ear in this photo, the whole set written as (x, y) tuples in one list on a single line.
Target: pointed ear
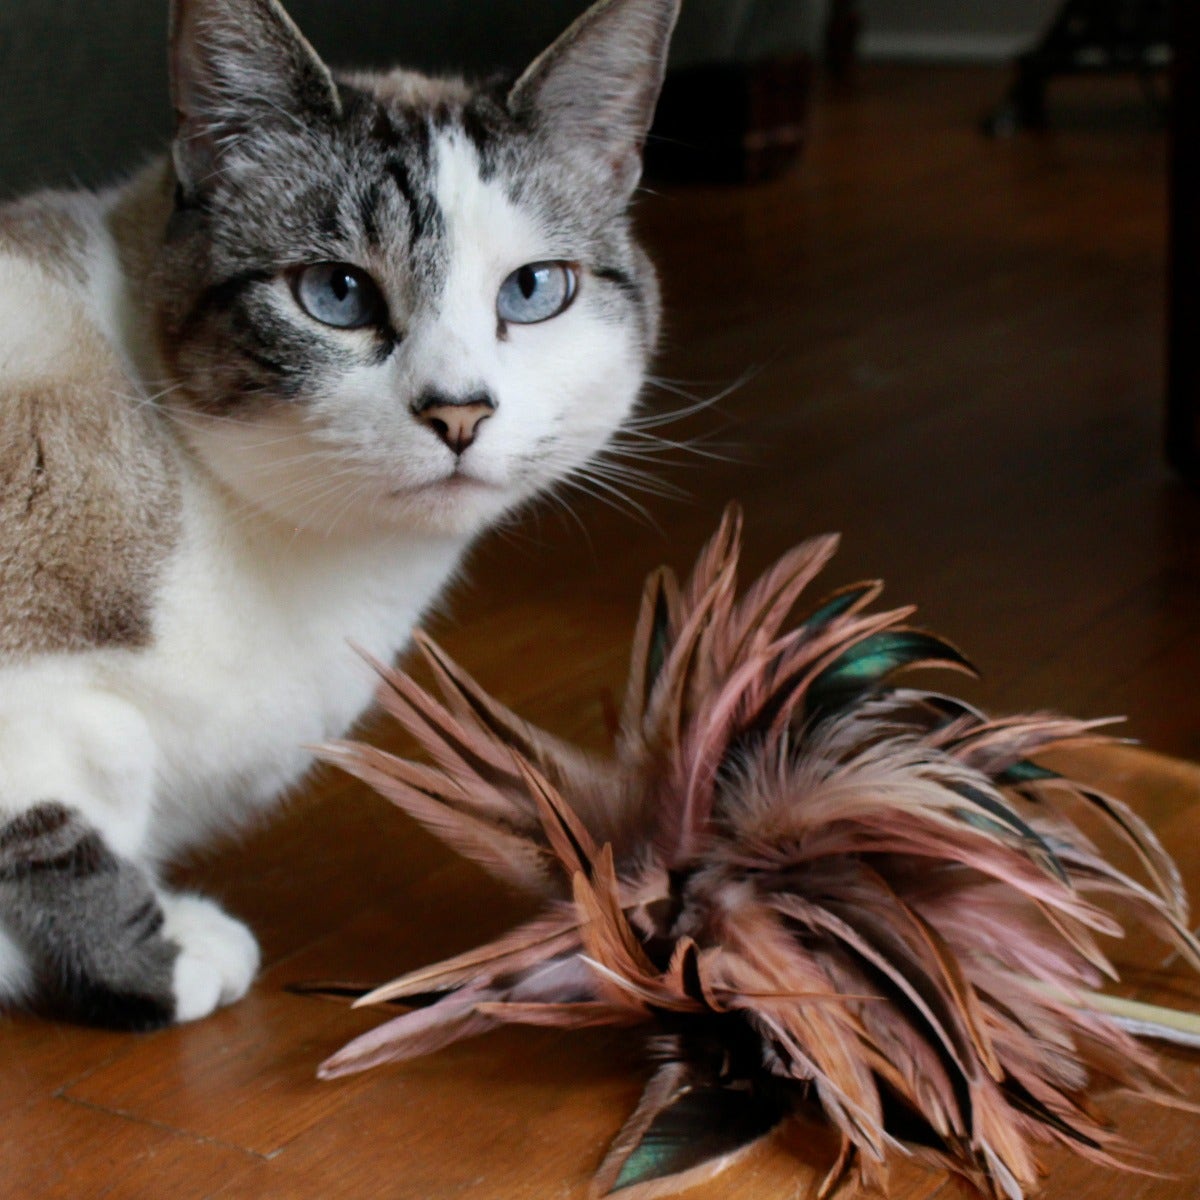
[(593, 92), (236, 65)]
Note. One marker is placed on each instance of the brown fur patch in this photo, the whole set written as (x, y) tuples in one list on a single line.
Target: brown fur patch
[(89, 498), (138, 221), (89, 509), (411, 89), (42, 229)]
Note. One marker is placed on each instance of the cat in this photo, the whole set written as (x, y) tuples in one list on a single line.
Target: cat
[(255, 403)]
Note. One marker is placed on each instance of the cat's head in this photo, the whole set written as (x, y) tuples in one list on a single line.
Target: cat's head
[(391, 300)]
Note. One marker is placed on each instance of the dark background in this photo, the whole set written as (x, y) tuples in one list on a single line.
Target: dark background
[(84, 86)]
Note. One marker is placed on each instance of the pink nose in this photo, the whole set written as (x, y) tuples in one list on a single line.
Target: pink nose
[(456, 422)]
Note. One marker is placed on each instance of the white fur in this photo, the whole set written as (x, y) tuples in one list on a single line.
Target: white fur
[(29, 352), (64, 738)]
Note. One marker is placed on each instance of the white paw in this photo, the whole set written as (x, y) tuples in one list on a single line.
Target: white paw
[(218, 956)]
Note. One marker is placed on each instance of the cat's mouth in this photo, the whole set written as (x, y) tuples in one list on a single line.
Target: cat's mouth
[(457, 503), (456, 481)]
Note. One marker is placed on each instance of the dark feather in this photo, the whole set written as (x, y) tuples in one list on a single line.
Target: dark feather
[(698, 1124), (869, 664), (841, 603), (1025, 772), (1009, 820)]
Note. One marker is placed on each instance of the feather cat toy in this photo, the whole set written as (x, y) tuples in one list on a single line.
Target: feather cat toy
[(809, 885)]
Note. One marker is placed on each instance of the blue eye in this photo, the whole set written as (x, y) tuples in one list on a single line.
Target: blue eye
[(339, 294), (536, 292)]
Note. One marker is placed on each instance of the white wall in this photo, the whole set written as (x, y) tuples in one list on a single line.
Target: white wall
[(952, 30)]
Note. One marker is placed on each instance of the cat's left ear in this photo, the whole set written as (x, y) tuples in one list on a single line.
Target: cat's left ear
[(592, 93), (238, 68)]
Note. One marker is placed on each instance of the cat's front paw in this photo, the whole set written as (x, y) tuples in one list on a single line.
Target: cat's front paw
[(218, 956)]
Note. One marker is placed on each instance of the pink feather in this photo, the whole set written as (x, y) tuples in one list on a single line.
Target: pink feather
[(815, 884)]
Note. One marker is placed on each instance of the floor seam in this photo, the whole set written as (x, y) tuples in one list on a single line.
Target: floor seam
[(162, 1126)]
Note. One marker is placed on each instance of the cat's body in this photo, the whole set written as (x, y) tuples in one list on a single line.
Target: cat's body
[(254, 405)]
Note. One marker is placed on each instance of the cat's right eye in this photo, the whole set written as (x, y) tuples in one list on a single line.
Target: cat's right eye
[(339, 294)]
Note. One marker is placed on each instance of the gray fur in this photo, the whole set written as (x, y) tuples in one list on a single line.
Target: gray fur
[(89, 922)]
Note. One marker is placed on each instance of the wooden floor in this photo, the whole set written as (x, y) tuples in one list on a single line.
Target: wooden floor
[(951, 350)]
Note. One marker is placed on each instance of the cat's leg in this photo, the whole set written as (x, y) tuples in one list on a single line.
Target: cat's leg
[(85, 932), (87, 924)]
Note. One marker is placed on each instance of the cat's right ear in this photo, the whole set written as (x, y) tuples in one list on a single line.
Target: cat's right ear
[(238, 67)]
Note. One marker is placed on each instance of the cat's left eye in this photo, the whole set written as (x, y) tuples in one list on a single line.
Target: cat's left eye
[(339, 294), (536, 292)]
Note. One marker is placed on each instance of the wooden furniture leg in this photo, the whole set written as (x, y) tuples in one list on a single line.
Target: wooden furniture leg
[(842, 30), (1183, 247)]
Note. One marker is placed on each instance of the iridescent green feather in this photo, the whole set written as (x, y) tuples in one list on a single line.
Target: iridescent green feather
[(702, 1124), (868, 664)]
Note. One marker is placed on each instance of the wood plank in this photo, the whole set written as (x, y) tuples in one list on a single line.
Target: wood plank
[(59, 1150), (39, 1058), (520, 1114), (222, 1080)]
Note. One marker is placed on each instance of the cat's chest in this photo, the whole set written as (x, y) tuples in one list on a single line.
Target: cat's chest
[(254, 660)]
